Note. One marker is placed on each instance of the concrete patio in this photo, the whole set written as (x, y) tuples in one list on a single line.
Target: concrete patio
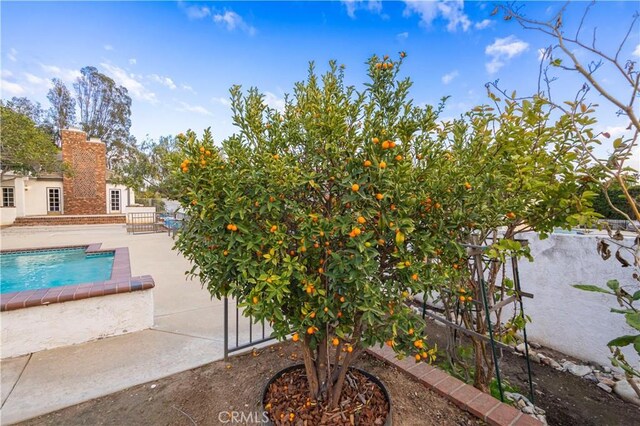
[(187, 332)]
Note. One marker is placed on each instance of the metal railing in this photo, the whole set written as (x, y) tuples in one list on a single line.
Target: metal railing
[(242, 327), (150, 222), (145, 223)]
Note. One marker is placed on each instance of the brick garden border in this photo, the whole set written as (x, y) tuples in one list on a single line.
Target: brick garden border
[(466, 397), (120, 281)]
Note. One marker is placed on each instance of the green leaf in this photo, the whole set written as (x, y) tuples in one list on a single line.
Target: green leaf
[(636, 344), (633, 320), (613, 284), (617, 143), (622, 341), (588, 287), (636, 295)]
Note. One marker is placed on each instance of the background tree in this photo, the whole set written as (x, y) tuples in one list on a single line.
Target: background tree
[(62, 112), (163, 155), (565, 54), (148, 167), (615, 196), (105, 110), (25, 148), (501, 171), (579, 53), (33, 110)]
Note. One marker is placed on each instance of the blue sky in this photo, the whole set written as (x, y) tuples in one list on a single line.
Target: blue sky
[(178, 59)]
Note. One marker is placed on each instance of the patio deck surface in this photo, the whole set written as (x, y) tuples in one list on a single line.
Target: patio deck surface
[(187, 332)]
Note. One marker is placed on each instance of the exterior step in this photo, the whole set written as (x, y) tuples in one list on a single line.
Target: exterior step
[(70, 220)]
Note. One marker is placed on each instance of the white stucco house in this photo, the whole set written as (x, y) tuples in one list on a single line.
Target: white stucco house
[(86, 191)]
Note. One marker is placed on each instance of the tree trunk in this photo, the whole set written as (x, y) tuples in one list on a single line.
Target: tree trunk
[(310, 369), (337, 387), (334, 398), (322, 363), (480, 379)]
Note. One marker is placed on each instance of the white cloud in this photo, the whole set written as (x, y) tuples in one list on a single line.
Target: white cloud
[(373, 6), (232, 21), (9, 88), (502, 50), (402, 36), (66, 74), (636, 52), (12, 55), (197, 109), (133, 61), (451, 11), (165, 81), (131, 82), (494, 66), (35, 80), (448, 78), (220, 100), (486, 23), (227, 18), (274, 101), (188, 88), (197, 12), (6, 73), (108, 47)]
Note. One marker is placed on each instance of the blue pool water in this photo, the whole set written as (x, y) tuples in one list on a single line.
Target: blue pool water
[(52, 268)]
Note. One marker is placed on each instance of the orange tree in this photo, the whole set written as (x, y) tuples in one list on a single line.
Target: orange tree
[(311, 217), (325, 218)]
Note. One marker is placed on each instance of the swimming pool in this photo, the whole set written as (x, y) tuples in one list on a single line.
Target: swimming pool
[(33, 270)]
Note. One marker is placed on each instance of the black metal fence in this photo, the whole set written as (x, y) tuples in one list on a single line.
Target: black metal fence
[(246, 331)]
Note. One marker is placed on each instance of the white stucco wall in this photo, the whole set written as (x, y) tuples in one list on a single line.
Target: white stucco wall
[(126, 197), (36, 198), (61, 324), (572, 321), (7, 215)]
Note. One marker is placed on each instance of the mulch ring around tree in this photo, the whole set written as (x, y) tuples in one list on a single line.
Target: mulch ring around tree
[(288, 402)]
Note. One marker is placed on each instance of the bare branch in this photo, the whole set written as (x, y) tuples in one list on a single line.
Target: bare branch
[(626, 36)]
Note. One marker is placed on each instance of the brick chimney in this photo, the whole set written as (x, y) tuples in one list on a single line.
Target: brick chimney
[(84, 190)]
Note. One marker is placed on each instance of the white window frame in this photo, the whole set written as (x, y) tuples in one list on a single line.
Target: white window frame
[(111, 192), (11, 194), (49, 191)]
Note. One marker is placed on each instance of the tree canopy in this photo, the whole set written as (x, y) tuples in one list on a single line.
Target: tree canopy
[(105, 108), (24, 147), (63, 106), (148, 166)]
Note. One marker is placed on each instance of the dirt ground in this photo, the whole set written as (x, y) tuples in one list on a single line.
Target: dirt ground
[(568, 400), (207, 395)]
